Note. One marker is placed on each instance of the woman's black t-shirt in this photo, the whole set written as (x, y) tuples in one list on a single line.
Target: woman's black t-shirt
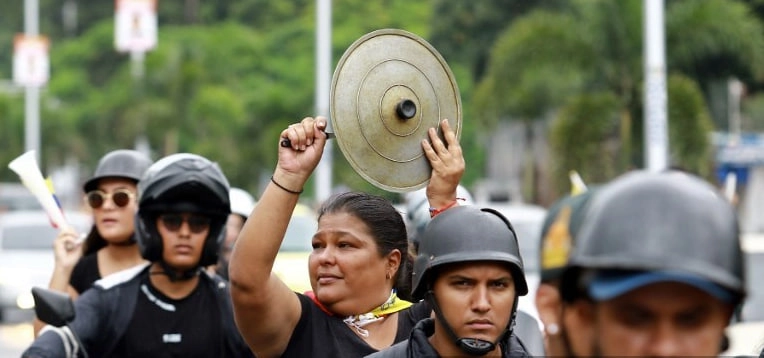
[(319, 335), (166, 327), (85, 273)]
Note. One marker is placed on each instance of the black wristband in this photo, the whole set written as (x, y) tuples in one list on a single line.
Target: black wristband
[(284, 188)]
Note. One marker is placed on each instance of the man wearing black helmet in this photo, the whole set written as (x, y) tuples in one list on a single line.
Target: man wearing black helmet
[(172, 306), (469, 270), (558, 237), (657, 269)]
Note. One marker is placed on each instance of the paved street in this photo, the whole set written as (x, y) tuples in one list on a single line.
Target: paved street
[(15, 333)]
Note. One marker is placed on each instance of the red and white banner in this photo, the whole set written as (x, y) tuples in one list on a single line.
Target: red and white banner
[(31, 65), (135, 25)]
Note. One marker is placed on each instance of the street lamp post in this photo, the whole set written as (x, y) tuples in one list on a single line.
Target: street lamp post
[(656, 121), (32, 93), (323, 83)]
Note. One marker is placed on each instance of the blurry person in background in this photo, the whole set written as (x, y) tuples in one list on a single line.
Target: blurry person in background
[(111, 194), (242, 204), (470, 272), (657, 269), (418, 210), (558, 237), (171, 306)]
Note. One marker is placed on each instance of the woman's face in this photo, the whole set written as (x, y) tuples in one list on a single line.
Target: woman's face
[(183, 236), (347, 273), (115, 223)]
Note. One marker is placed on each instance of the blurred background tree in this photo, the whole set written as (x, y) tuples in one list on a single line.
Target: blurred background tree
[(228, 75), (544, 63)]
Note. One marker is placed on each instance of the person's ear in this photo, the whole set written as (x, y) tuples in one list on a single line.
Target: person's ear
[(578, 319), (393, 262), (581, 312), (549, 307)]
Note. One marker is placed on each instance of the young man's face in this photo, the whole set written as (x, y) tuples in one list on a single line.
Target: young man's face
[(476, 299), (183, 236), (662, 319)]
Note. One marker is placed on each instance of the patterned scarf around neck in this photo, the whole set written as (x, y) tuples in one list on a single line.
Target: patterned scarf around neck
[(392, 305)]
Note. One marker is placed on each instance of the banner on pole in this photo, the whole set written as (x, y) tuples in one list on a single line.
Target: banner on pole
[(31, 65), (135, 25)]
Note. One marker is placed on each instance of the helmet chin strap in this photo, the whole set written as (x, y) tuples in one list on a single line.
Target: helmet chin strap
[(173, 275), (471, 346)]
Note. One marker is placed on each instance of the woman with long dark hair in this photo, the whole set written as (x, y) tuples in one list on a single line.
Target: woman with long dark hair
[(111, 194), (358, 268)]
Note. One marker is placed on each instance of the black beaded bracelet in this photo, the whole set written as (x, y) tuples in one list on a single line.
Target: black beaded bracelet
[(285, 189)]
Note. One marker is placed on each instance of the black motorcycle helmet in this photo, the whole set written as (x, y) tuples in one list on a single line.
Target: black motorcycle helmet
[(120, 163), (658, 222), (188, 183), (559, 231), (465, 234)]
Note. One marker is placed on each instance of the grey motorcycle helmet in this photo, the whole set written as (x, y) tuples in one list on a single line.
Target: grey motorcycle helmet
[(463, 234), (120, 163), (669, 222)]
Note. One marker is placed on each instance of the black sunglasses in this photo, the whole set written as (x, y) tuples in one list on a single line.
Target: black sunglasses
[(120, 197), (196, 223)]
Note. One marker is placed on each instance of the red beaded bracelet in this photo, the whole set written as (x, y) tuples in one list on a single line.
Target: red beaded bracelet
[(435, 211)]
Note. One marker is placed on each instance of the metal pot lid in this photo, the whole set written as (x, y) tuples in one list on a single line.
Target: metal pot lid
[(388, 89)]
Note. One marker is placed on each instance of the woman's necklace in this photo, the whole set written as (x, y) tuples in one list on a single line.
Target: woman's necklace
[(392, 305)]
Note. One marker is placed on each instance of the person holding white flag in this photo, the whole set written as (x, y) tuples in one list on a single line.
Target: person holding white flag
[(30, 175), (111, 194), (170, 306)]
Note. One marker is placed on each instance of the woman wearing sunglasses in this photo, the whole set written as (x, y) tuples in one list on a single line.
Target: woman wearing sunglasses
[(109, 247), (170, 306)]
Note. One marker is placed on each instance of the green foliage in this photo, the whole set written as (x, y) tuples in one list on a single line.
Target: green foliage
[(12, 133), (12, 23), (615, 28), (534, 66), (464, 31), (353, 18), (548, 61), (690, 126), (221, 110), (261, 14), (584, 137), (224, 80), (229, 75), (715, 39)]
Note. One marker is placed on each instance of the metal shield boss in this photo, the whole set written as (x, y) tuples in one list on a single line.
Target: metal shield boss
[(388, 89)]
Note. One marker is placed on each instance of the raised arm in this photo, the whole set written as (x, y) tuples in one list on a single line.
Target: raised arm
[(265, 309), (447, 163), (67, 252)]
